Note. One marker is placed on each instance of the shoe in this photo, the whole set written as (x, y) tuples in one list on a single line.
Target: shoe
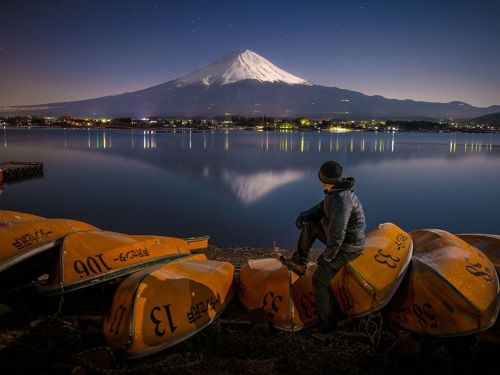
[(298, 268)]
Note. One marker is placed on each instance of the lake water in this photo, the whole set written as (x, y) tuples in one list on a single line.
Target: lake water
[(245, 187)]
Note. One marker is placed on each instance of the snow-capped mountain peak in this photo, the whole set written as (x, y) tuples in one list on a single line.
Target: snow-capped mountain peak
[(238, 66)]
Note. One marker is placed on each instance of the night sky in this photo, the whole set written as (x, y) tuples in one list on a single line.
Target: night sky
[(426, 50)]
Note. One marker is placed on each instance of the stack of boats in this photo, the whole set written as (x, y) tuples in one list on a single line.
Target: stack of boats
[(429, 282), (165, 293)]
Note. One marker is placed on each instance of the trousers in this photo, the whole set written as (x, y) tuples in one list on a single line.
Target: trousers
[(326, 306)]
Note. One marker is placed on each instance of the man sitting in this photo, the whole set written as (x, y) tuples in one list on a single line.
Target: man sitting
[(339, 222)]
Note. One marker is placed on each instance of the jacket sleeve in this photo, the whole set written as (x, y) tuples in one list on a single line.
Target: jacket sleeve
[(339, 218), (313, 214)]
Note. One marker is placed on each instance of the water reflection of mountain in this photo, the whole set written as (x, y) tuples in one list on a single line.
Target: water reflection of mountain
[(249, 188), (250, 165)]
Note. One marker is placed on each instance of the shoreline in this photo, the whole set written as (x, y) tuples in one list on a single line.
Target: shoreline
[(242, 129)]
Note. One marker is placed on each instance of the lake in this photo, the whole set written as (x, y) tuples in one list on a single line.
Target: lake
[(246, 187)]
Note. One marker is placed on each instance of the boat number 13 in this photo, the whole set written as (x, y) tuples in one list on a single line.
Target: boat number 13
[(158, 320)]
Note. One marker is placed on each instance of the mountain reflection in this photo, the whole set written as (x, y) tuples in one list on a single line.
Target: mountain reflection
[(245, 187), (249, 188)]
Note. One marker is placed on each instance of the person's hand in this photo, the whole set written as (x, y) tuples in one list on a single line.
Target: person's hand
[(300, 220)]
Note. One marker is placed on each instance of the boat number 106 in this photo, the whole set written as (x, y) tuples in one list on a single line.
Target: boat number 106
[(91, 266)]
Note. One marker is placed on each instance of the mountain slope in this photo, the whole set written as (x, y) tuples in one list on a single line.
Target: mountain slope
[(491, 119), (244, 83)]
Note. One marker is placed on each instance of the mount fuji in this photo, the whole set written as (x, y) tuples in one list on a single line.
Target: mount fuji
[(246, 84), (240, 66)]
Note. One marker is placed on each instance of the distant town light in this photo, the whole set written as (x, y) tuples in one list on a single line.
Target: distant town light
[(339, 129), (305, 122)]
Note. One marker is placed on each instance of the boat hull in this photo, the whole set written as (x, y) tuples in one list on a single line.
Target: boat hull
[(450, 290), (270, 292), (23, 240), (11, 217), (367, 283), (29, 249), (94, 257), (489, 244), (157, 308)]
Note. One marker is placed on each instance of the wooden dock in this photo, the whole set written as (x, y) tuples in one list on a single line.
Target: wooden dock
[(14, 171)]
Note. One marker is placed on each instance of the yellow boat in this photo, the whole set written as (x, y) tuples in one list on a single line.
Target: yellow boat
[(489, 244), (367, 283), (268, 289), (28, 249), (156, 308), (451, 289), (11, 217), (364, 285), (26, 239), (93, 257)]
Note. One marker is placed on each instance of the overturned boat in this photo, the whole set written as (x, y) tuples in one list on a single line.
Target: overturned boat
[(25, 239), (489, 244), (161, 306), (27, 248), (451, 290), (270, 292), (94, 257), (13, 217), (367, 283)]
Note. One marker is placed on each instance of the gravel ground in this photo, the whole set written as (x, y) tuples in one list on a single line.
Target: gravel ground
[(57, 339)]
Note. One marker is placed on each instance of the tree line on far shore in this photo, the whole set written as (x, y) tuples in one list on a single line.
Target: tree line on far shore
[(260, 123)]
